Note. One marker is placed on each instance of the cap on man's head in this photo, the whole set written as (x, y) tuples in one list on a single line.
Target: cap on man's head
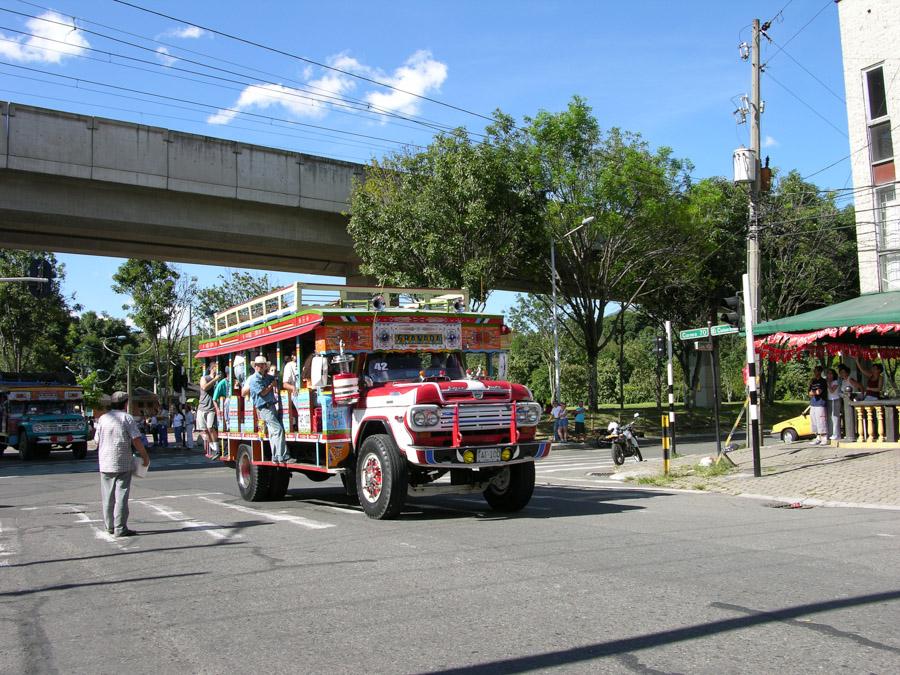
[(119, 397), (260, 361)]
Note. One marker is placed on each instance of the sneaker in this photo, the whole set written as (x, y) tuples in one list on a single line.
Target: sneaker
[(817, 442), (126, 533), (215, 456), (286, 460), (109, 530)]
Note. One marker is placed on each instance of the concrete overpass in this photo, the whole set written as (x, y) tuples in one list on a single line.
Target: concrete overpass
[(81, 184)]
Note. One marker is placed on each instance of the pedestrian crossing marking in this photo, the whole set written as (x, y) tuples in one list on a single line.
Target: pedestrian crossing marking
[(277, 517), (211, 529)]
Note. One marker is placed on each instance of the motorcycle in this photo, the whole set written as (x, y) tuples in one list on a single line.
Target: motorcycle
[(624, 442)]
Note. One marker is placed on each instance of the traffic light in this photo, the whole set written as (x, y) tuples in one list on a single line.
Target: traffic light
[(179, 377), (733, 311), (40, 268), (660, 346)]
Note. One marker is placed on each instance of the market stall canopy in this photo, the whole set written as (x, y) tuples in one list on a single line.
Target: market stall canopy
[(867, 326)]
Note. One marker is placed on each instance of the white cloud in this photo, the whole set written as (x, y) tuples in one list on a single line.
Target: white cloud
[(419, 76), (165, 57), (309, 104), (185, 33), (296, 103), (770, 142), (48, 27)]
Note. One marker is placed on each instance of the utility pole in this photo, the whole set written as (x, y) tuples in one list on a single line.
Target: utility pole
[(753, 230)]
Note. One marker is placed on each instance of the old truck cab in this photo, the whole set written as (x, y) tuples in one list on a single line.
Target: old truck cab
[(40, 412)]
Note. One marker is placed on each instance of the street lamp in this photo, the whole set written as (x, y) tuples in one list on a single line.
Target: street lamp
[(586, 221), (128, 356)]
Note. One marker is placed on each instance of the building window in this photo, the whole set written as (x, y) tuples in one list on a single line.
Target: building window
[(875, 93), (890, 272), (880, 142)]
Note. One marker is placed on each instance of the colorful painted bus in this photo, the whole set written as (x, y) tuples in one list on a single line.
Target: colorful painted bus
[(401, 393)]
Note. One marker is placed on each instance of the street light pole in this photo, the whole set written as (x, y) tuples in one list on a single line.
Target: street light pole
[(555, 321), (586, 221), (128, 357)]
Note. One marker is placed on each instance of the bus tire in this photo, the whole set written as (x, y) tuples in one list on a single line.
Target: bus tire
[(253, 481), (27, 448), (512, 488), (79, 449), (278, 483), (381, 478)]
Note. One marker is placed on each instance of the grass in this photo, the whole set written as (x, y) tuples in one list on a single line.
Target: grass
[(691, 472)]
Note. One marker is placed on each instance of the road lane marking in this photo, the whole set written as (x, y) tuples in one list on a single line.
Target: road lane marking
[(209, 528), (276, 517), (181, 496)]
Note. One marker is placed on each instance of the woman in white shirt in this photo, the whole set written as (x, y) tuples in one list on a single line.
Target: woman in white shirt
[(833, 383)]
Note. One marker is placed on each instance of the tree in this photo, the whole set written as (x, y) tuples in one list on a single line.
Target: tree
[(85, 339), (233, 289), (458, 214), (636, 199), (709, 269), (808, 254), (160, 298), (32, 330)]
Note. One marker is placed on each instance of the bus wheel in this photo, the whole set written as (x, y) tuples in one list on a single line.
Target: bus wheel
[(79, 449), (278, 483), (512, 488), (26, 447), (253, 481), (381, 480)]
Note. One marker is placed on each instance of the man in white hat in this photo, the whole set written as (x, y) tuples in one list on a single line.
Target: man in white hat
[(116, 434), (262, 388)]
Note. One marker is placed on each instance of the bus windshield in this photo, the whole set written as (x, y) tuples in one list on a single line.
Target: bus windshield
[(395, 366), (45, 408)]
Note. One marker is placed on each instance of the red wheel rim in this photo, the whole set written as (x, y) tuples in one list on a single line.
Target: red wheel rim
[(371, 478)]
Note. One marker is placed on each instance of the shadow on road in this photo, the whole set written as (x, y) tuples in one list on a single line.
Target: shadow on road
[(547, 502), (598, 650), (68, 587)]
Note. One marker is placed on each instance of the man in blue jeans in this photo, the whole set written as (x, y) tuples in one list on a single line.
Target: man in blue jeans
[(262, 387)]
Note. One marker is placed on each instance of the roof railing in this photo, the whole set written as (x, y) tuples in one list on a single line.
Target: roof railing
[(299, 295)]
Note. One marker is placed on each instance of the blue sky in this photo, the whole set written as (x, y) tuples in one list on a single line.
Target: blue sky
[(668, 70)]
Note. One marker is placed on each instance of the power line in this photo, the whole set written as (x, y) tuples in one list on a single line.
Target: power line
[(816, 112), (326, 93), (317, 97), (815, 16), (297, 57), (809, 72), (207, 105)]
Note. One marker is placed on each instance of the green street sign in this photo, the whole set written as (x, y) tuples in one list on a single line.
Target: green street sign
[(724, 329), (694, 333)]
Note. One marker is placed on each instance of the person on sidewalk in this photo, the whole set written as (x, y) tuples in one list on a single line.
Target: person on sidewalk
[(554, 418), (874, 380), (262, 387), (579, 421), (188, 426), (178, 427), (563, 423), (818, 403), (117, 434), (835, 402)]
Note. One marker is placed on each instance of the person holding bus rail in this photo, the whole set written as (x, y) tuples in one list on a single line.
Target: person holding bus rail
[(262, 387)]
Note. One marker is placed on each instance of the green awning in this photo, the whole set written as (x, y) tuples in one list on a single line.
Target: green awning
[(874, 308)]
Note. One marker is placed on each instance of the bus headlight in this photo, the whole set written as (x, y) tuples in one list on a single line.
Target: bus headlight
[(424, 417), (528, 414)]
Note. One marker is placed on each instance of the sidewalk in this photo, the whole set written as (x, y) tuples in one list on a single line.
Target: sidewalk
[(800, 472)]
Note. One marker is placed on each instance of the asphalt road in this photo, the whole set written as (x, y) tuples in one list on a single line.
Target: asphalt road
[(591, 577)]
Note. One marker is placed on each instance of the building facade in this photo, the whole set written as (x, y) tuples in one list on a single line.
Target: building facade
[(870, 42)]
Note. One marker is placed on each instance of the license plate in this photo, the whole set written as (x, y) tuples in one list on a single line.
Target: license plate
[(488, 454)]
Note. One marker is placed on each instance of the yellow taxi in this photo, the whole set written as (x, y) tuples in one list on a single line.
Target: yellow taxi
[(794, 428)]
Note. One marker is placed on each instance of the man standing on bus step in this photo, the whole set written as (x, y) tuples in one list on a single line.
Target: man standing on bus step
[(262, 387), (289, 384), (206, 410), (116, 434)]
